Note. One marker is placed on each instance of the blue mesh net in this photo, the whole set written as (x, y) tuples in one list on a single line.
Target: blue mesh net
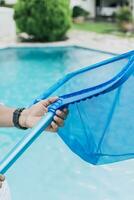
[(90, 78), (101, 129)]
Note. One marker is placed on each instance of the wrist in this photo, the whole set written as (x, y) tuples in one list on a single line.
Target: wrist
[(23, 118), (19, 118)]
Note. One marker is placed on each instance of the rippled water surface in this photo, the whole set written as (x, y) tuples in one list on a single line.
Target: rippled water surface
[(49, 170)]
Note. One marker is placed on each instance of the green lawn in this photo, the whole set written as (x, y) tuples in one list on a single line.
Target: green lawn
[(99, 27)]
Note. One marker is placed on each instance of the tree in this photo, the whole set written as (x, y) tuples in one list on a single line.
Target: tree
[(45, 20)]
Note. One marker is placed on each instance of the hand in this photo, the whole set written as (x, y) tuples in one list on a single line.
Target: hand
[(2, 178), (29, 117)]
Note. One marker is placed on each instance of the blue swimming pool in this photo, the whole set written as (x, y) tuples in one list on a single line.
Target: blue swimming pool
[(49, 170)]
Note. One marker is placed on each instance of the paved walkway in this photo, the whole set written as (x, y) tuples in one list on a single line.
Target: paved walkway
[(87, 39), (102, 41)]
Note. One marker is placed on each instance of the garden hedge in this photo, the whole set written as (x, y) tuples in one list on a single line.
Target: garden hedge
[(44, 20)]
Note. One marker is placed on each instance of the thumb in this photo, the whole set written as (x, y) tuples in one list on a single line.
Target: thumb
[(49, 101)]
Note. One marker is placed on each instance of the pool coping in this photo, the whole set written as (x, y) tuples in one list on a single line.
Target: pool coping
[(53, 45)]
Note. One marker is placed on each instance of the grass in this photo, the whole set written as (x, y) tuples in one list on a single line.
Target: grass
[(100, 27)]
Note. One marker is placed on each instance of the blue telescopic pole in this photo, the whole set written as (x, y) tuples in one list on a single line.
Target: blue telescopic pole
[(18, 150)]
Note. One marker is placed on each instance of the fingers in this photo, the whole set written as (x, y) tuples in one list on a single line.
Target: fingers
[(49, 101), (2, 178), (60, 117), (58, 121), (54, 127), (62, 113)]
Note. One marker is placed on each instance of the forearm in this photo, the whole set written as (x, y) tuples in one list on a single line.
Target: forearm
[(6, 116)]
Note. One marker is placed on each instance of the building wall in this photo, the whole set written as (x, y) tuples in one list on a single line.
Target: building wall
[(7, 23), (75, 2), (10, 1), (132, 4)]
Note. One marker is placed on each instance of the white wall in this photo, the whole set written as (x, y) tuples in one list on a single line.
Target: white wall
[(75, 2), (133, 7), (7, 24), (90, 5), (10, 1)]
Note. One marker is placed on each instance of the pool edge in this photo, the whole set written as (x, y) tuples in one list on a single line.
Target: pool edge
[(38, 45)]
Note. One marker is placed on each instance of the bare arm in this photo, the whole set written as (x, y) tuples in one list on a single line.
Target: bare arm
[(6, 115)]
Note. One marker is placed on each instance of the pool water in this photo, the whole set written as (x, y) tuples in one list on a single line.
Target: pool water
[(49, 170)]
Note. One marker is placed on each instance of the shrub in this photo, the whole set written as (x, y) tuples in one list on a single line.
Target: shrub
[(2, 2), (125, 19), (124, 14), (78, 12), (45, 20)]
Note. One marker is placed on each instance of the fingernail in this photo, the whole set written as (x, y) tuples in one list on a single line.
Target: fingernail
[(58, 112)]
